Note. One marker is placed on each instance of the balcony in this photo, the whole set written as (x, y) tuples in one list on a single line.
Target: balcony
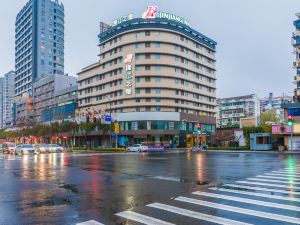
[(296, 33), (297, 78), (296, 64)]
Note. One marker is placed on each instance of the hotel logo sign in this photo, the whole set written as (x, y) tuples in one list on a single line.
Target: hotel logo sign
[(151, 12)]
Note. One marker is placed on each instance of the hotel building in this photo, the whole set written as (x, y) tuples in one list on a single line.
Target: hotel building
[(156, 75)]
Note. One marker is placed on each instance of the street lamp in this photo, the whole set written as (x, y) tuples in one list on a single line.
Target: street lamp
[(110, 119)]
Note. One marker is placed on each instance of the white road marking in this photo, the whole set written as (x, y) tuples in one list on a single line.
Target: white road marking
[(196, 215), (279, 178), (167, 178), (275, 181), (263, 189), (267, 184), (286, 172), (283, 175), (142, 218), (257, 194), (91, 222), (248, 201), (240, 210)]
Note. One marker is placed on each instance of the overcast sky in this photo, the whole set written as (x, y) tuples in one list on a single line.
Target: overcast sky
[(254, 53)]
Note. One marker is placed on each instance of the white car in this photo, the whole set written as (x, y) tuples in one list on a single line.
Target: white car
[(25, 149), (137, 148), (54, 148), (9, 148), (42, 148)]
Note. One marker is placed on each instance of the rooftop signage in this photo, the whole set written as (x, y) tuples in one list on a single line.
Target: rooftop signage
[(152, 13)]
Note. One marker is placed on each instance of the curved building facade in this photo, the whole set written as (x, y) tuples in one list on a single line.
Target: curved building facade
[(150, 70)]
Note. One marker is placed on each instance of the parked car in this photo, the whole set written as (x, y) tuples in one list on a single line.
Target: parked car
[(25, 149), (54, 148), (137, 148), (42, 148), (9, 148)]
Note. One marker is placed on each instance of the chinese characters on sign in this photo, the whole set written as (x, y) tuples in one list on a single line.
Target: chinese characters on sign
[(128, 74), (122, 19)]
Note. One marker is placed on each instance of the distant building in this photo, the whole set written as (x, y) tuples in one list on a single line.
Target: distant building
[(39, 40), (296, 45), (274, 103), (6, 98), (48, 94), (232, 110), (63, 106)]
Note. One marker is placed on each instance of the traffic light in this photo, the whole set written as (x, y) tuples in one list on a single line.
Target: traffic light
[(88, 118), (290, 120), (199, 128), (117, 128), (95, 118)]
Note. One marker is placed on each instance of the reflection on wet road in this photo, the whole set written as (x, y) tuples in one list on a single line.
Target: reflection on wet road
[(73, 188)]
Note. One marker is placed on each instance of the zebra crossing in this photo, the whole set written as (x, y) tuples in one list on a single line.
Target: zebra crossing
[(270, 198)]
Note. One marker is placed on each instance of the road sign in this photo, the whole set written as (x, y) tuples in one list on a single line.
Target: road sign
[(107, 118)]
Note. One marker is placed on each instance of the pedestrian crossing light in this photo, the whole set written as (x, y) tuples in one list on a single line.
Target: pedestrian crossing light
[(290, 120)]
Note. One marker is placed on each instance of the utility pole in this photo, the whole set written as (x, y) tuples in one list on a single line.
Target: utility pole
[(110, 119)]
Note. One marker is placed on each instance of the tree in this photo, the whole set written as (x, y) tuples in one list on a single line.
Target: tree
[(267, 119)]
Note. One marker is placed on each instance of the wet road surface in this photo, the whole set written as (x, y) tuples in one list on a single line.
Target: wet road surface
[(183, 188)]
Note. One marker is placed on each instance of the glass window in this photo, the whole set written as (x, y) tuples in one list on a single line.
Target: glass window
[(137, 79), (157, 45), (142, 125), (177, 80), (157, 56), (157, 68), (137, 90), (158, 91), (137, 68), (157, 79), (157, 108), (157, 100), (137, 45), (137, 56)]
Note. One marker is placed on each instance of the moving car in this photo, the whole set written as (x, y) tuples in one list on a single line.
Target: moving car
[(54, 148), (25, 149), (137, 148), (42, 148), (9, 148)]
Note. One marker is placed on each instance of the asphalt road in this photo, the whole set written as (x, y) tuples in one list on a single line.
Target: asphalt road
[(180, 188)]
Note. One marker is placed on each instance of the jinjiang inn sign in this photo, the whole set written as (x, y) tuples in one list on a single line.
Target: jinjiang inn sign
[(152, 13)]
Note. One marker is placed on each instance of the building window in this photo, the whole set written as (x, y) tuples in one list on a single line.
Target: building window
[(147, 33), (147, 56), (137, 90), (137, 34), (148, 99), (147, 45), (137, 109), (137, 79), (137, 56), (157, 45), (157, 33), (137, 100), (157, 68), (148, 109), (157, 56), (147, 67), (158, 91), (137, 68), (157, 79), (137, 45), (147, 90), (157, 108), (157, 100), (147, 79), (176, 80)]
